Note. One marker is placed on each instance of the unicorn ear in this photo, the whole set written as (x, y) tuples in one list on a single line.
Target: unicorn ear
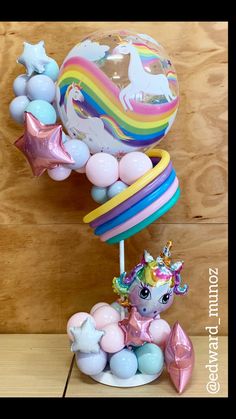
[(147, 257), (73, 84)]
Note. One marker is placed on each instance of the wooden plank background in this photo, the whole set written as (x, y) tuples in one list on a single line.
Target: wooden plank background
[(51, 263)]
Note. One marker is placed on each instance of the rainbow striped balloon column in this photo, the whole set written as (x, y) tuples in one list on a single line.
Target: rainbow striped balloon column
[(140, 204)]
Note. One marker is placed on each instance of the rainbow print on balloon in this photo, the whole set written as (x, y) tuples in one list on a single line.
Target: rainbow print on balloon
[(99, 98)]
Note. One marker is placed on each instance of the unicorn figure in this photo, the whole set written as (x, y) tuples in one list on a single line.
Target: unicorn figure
[(141, 80), (92, 128), (151, 285), (136, 344)]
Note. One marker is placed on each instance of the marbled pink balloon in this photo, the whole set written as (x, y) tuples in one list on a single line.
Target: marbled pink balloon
[(96, 306), (105, 315), (113, 340), (76, 320), (159, 331)]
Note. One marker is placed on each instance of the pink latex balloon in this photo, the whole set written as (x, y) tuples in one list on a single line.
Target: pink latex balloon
[(59, 173), (159, 331), (134, 165), (76, 320), (81, 170), (98, 305), (105, 315), (113, 340), (179, 357), (102, 170)]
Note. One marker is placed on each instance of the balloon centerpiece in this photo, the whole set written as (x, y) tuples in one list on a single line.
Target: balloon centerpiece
[(127, 343), (116, 95)]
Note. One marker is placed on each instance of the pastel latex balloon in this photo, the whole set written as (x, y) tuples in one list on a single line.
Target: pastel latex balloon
[(134, 165), (124, 364), (91, 364), (99, 194), (51, 69), (102, 170), (179, 357), (159, 330), (17, 108), (98, 305), (59, 173), (79, 152), (43, 111), (41, 87), (19, 85), (116, 188), (150, 359), (76, 320), (113, 340), (105, 315)]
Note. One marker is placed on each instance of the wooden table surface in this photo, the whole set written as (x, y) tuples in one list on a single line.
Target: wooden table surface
[(43, 366)]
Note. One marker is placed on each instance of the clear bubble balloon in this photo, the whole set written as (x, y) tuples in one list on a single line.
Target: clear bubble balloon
[(118, 92)]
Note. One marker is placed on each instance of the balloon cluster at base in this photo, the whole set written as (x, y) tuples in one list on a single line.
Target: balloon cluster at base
[(128, 337)]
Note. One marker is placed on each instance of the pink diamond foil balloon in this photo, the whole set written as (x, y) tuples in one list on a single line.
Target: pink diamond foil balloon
[(179, 357)]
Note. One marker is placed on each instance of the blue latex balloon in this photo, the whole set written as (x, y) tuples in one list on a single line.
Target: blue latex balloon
[(136, 208), (41, 87), (51, 69), (124, 364), (99, 195), (43, 111), (79, 152), (91, 364), (116, 188), (17, 108), (150, 358), (19, 85), (65, 137)]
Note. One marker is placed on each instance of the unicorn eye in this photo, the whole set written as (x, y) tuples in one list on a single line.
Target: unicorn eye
[(165, 298), (145, 293)]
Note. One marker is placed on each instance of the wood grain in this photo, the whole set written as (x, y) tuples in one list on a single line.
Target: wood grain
[(197, 142), (49, 273), (50, 260), (81, 385), (33, 365)]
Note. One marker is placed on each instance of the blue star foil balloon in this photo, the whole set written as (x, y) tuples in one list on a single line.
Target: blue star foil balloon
[(34, 58)]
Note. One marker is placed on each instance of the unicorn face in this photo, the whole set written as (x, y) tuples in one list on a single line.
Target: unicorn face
[(77, 95), (123, 48), (150, 301)]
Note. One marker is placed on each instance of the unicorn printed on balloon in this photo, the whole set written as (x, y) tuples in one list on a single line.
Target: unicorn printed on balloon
[(127, 343), (118, 92)]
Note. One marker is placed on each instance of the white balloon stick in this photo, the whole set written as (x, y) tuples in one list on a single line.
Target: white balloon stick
[(122, 256)]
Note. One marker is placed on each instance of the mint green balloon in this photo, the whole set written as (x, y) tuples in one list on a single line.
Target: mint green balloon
[(150, 359), (43, 111)]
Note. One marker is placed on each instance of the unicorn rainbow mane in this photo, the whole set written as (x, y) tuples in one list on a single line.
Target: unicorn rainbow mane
[(153, 272)]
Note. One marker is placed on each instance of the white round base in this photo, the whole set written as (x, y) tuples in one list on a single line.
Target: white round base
[(139, 379)]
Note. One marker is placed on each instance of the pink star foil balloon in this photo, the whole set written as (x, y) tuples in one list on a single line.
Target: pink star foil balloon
[(42, 145), (179, 357), (135, 328)]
